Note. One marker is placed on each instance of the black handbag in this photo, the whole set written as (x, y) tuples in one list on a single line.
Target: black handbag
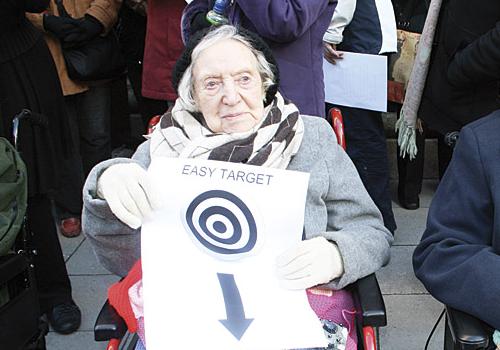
[(97, 59)]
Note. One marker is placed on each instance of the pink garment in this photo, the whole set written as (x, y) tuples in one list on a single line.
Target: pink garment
[(336, 306)]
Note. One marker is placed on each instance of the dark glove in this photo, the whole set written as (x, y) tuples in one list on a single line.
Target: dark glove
[(88, 28), (59, 26)]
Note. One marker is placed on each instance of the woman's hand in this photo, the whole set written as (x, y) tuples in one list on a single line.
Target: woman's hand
[(311, 262), (129, 193)]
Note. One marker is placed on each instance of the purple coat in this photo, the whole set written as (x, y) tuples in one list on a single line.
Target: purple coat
[(294, 30)]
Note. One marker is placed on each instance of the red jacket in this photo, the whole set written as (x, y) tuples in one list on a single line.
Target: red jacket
[(163, 47)]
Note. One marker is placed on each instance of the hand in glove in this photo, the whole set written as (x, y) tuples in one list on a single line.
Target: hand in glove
[(87, 28), (59, 26), (129, 193), (311, 262)]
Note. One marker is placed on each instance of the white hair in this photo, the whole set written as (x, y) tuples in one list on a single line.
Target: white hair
[(186, 85)]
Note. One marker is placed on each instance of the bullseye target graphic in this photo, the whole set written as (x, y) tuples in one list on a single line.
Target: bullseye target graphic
[(222, 224)]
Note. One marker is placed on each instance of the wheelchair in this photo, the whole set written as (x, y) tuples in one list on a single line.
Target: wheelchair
[(21, 325), (110, 327), (465, 332)]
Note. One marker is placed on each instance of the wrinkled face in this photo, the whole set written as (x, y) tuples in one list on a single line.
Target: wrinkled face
[(228, 88)]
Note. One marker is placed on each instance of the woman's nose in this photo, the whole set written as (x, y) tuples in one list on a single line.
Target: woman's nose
[(231, 94)]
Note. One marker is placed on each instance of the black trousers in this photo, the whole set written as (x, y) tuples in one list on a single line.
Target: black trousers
[(367, 148), (411, 172), (52, 279)]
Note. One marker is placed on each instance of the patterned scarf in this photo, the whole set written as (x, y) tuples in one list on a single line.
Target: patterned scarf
[(271, 143)]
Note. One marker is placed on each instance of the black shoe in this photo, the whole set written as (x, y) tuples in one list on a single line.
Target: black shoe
[(409, 202), (65, 318)]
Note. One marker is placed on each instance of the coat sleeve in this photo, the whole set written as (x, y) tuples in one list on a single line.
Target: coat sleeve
[(454, 259), (342, 16), (478, 62), (282, 20), (354, 222), (116, 245)]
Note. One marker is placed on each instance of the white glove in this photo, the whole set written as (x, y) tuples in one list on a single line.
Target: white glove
[(129, 193), (311, 262)]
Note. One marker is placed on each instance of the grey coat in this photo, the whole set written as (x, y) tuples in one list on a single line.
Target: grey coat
[(337, 207)]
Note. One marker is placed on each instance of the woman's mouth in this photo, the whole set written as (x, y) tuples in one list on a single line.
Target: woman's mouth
[(231, 115)]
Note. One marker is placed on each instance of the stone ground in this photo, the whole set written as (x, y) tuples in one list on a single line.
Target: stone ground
[(411, 311)]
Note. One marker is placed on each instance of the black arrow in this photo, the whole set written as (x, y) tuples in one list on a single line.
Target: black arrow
[(235, 321)]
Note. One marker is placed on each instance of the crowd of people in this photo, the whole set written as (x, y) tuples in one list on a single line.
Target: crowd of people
[(251, 90)]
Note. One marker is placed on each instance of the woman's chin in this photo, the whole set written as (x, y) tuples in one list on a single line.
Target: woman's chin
[(237, 126)]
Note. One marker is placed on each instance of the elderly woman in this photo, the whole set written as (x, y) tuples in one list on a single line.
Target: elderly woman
[(229, 105)]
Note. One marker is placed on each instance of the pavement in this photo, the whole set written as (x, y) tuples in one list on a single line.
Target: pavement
[(411, 311)]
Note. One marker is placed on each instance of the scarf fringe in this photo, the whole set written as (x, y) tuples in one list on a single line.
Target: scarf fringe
[(407, 138)]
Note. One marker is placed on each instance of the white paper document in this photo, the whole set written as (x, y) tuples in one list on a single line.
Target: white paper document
[(208, 258), (357, 80)]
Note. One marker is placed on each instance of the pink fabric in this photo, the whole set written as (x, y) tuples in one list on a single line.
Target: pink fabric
[(336, 306)]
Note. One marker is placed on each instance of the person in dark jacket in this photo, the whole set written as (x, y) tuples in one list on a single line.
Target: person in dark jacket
[(458, 258), (367, 27), (88, 104), (462, 83), (41, 145), (293, 29)]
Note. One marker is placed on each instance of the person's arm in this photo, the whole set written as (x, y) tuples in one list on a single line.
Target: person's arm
[(117, 246), (342, 16), (282, 20), (454, 259), (355, 224), (105, 11), (478, 62), (35, 6)]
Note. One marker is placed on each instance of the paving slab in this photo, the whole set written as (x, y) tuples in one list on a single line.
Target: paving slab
[(70, 245), (410, 319), (90, 293), (75, 341), (411, 225), (84, 262), (398, 276)]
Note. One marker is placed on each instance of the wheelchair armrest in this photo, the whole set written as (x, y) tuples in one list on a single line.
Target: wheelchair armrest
[(12, 265), (367, 292), (109, 325), (466, 330)]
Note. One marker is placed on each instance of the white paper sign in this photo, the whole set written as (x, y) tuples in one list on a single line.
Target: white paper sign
[(357, 80), (208, 259)]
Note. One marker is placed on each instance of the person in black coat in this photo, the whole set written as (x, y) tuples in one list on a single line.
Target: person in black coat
[(29, 82), (462, 83), (458, 258)]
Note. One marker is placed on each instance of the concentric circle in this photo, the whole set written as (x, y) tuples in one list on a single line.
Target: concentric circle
[(222, 223)]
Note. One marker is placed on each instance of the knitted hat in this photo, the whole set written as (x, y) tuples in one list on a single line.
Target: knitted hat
[(257, 43)]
